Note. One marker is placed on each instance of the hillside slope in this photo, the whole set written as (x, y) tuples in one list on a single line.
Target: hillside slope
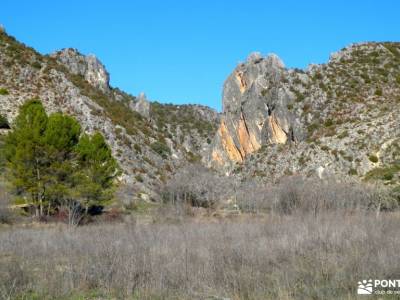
[(150, 140)]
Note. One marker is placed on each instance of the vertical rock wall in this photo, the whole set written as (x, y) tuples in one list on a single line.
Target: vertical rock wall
[(255, 113)]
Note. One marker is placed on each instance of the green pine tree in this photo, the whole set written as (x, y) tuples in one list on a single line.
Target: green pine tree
[(98, 170), (24, 150), (61, 137), (51, 166)]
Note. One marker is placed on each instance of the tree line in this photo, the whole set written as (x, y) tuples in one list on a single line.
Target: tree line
[(51, 165)]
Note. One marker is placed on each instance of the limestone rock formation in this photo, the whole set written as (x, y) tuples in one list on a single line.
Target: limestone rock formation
[(255, 110), (87, 66), (349, 109), (335, 119)]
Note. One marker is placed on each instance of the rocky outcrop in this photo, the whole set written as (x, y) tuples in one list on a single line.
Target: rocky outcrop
[(255, 111), (349, 108), (87, 66), (141, 105)]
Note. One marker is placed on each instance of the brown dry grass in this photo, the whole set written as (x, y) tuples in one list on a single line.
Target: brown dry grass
[(298, 256)]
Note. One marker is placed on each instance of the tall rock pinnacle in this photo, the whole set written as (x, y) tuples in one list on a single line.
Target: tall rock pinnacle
[(254, 110)]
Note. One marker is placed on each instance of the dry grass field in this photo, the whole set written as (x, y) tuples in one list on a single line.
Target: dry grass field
[(298, 256)]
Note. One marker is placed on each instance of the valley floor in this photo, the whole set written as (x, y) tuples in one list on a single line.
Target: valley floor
[(298, 256)]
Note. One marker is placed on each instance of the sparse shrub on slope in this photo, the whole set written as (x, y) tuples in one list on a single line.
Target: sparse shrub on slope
[(4, 123), (161, 148)]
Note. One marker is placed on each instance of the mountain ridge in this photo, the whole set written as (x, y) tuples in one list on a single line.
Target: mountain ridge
[(338, 118), (147, 148)]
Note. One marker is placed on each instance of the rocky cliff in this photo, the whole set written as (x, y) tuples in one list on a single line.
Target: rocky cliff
[(255, 110), (338, 118)]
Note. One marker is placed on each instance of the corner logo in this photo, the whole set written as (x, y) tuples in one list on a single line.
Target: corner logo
[(379, 287), (365, 287)]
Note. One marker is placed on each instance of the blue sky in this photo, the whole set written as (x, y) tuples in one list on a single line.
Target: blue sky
[(182, 51)]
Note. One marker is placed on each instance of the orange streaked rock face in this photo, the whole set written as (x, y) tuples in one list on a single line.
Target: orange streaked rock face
[(247, 140), (278, 136), (228, 144), (247, 143), (255, 111), (241, 81), (216, 157)]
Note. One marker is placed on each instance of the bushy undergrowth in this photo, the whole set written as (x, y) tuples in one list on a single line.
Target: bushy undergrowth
[(297, 194), (201, 187)]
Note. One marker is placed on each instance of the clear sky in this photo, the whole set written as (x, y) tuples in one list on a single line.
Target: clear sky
[(182, 51)]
